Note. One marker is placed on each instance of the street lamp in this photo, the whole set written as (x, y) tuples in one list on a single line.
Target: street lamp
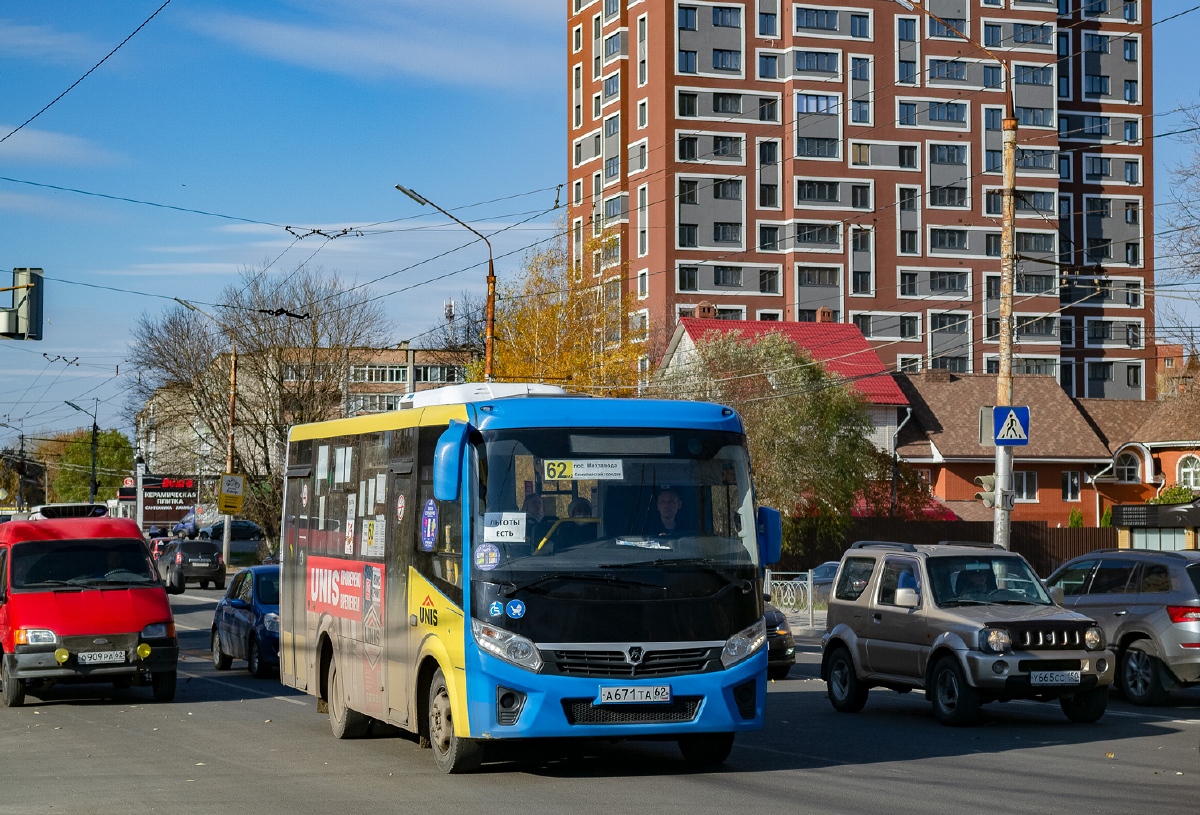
[(1004, 379), (490, 330), (227, 531), (95, 435)]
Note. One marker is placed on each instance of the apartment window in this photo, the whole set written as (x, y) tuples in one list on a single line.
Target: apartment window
[(1131, 212), (1133, 297), (1132, 254), (993, 34), (1035, 160), (947, 112), (949, 323), (819, 61), (906, 30), (1131, 131), (822, 191), (817, 148), (1130, 49), (1027, 75), (1131, 90), (687, 148), (948, 238), (612, 46), (1096, 167), (956, 365), (991, 332), (817, 276), (1064, 167), (577, 39), (768, 195), (860, 196), (578, 192), (911, 365), (612, 125), (728, 146), (860, 112), (1035, 117), (1066, 331), (1034, 283), (860, 69), (1096, 43), (1098, 207), (727, 17), (596, 106), (687, 192), (726, 60), (768, 237), (860, 240), (1039, 242), (907, 72), (948, 197), (955, 282), (612, 86), (860, 154), (689, 235), (908, 199), (768, 153), (1133, 376), (860, 26), (1094, 8), (768, 281), (689, 278), (768, 66), (1036, 327), (1025, 485), (991, 246), (612, 167), (1127, 468), (1130, 11), (991, 76), (687, 62), (908, 114), (643, 114), (908, 241), (863, 323), (730, 314), (1099, 249), (1027, 33), (947, 154), (613, 209), (768, 110), (727, 102), (1131, 172), (908, 284), (910, 326), (816, 18), (1095, 84), (687, 18), (768, 25), (724, 232), (947, 69), (728, 190), (947, 27), (907, 155), (727, 276), (687, 104), (817, 233), (817, 103)]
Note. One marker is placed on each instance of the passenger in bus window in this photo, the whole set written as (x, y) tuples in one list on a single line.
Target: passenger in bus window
[(582, 530), (537, 523)]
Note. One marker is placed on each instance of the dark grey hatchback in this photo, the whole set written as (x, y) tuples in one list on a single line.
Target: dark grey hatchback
[(191, 560)]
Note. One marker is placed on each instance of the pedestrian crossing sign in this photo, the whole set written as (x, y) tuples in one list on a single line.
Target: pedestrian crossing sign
[(1010, 425)]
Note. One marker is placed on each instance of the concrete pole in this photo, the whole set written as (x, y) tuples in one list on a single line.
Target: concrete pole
[(227, 526), (1004, 381)]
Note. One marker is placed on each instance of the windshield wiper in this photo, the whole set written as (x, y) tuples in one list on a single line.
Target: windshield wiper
[(44, 583), (964, 602), (704, 563), (512, 588)]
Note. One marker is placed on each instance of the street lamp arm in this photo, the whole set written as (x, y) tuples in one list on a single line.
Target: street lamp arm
[(422, 200)]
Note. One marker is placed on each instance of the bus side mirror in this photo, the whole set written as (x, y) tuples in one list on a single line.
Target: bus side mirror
[(447, 461), (770, 535)]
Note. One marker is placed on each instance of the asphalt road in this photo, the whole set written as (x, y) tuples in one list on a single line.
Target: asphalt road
[(230, 743)]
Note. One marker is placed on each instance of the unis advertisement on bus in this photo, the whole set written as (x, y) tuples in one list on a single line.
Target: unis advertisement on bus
[(478, 567)]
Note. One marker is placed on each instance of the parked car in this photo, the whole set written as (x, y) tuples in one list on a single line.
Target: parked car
[(1148, 604), (823, 578), (79, 602), (188, 526), (241, 530), (781, 646), (183, 561), (966, 624), (246, 622)]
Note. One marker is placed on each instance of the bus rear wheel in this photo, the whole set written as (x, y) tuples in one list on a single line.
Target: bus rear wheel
[(346, 723), (451, 753)]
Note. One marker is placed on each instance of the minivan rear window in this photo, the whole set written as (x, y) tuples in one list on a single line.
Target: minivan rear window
[(199, 548), (49, 564), (1194, 573)]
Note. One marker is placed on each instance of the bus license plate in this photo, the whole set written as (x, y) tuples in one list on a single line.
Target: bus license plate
[(100, 657), (1054, 677), (621, 695)]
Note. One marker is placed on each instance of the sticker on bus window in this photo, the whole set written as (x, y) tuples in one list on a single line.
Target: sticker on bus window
[(487, 556), (584, 469), (501, 527), (429, 526)]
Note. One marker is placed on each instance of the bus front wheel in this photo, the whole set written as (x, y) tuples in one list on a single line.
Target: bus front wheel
[(452, 754)]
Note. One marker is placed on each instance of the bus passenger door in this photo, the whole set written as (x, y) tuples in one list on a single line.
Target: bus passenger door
[(293, 659), (399, 543)]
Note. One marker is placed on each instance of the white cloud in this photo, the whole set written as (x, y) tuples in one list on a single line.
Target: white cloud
[(45, 42), (379, 42), (171, 270), (33, 146)]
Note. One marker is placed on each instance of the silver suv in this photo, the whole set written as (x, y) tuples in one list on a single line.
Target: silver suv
[(967, 624), (1148, 604)]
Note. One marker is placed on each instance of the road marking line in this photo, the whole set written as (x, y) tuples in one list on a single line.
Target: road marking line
[(244, 689)]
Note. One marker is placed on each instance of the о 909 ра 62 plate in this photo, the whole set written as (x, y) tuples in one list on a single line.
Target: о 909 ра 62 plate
[(616, 695), (101, 657)]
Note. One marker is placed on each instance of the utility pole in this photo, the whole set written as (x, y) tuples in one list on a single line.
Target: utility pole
[(95, 440), (227, 526), (1004, 381)]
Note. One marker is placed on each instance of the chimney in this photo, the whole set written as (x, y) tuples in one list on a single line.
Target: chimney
[(824, 314), (936, 375), (705, 311)]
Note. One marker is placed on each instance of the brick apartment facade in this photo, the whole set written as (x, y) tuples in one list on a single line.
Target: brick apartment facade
[(772, 158)]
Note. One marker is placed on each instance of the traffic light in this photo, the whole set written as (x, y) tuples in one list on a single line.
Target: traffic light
[(24, 320), (988, 493)]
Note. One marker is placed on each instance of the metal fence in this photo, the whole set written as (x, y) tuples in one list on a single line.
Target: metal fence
[(792, 592)]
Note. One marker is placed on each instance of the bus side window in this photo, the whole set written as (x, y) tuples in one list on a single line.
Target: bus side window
[(438, 541)]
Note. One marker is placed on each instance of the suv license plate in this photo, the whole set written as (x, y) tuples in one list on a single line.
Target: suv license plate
[(1054, 677), (200, 562), (100, 657), (620, 695)]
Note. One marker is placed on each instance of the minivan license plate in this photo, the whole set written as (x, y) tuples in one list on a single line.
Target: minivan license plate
[(1054, 677), (100, 657), (619, 695)]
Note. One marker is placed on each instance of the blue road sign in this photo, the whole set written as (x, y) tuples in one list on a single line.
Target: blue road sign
[(1010, 425)]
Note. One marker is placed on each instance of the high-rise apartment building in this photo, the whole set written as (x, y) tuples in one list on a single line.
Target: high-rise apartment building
[(777, 160)]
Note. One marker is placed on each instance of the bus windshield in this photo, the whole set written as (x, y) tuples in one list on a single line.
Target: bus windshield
[(560, 508)]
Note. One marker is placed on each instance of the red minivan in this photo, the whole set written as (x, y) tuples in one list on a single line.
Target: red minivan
[(80, 602)]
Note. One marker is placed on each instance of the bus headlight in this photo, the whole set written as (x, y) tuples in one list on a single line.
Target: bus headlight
[(744, 643), (510, 647)]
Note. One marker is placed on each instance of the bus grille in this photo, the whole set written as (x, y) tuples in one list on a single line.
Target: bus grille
[(680, 709), (613, 663)]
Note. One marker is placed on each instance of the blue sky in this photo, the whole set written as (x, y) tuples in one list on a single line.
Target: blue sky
[(295, 112)]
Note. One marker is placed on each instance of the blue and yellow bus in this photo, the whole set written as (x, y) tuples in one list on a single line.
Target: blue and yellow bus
[(510, 561)]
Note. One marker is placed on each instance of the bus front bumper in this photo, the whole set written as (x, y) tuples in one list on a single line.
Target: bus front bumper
[(507, 702)]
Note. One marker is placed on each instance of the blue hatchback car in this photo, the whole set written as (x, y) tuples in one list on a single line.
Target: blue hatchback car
[(246, 622)]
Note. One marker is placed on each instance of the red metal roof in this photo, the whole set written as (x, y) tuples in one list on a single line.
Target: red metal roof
[(68, 529), (840, 347)]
